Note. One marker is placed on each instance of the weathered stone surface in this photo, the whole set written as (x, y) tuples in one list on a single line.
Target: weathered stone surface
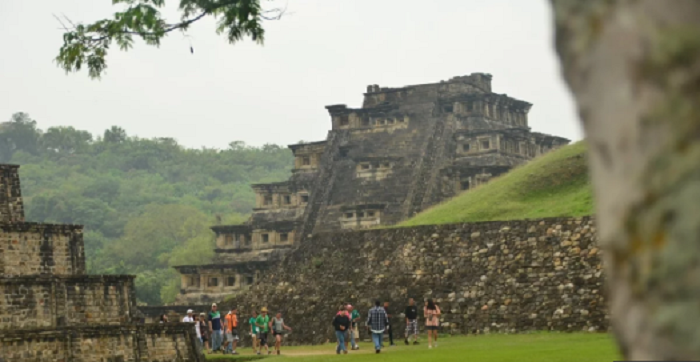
[(151, 343), (41, 249), (11, 205), (150, 314), (59, 301), (516, 285)]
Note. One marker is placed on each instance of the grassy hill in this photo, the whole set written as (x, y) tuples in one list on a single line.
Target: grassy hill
[(555, 184)]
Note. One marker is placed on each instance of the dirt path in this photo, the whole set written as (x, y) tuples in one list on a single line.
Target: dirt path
[(329, 351)]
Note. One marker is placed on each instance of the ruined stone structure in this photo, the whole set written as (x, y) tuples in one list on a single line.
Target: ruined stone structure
[(11, 206), (406, 149), (488, 277), (50, 310)]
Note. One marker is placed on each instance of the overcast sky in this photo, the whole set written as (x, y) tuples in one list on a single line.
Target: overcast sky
[(322, 52)]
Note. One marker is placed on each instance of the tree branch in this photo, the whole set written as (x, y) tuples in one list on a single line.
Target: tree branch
[(168, 29), (89, 44)]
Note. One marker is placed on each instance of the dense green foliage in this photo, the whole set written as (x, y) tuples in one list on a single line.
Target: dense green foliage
[(88, 44), (555, 184), (531, 347), (146, 204)]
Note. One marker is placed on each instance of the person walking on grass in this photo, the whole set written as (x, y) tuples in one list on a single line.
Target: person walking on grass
[(437, 331), (254, 330), (411, 315), (377, 323), (345, 310), (278, 327), (215, 328), (204, 330), (354, 331), (341, 323), (231, 331), (390, 331), (432, 314), (262, 322)]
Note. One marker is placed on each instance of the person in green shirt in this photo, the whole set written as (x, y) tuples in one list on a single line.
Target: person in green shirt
[(262, 323), (254, 329), (354, 331)]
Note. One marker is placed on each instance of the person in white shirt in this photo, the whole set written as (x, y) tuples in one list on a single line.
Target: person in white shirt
[(199, 331), (188, 317)]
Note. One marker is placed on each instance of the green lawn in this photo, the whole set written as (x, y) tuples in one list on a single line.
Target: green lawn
[(541, 347), (555, 184)]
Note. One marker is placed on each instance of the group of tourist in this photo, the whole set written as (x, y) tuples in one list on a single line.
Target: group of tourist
[(223, 334), (379, 322)]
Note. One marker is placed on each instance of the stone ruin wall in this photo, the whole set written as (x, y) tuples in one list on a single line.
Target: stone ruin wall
[(174, 313), (11, 205), (213, 282), (41, 249), (154, 343), (52, 302), (50, 310), (488, 277)]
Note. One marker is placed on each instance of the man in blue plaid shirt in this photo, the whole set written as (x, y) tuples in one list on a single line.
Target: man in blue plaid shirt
[(377, 323)]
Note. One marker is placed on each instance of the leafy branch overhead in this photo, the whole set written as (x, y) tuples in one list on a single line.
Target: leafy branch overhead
[(88, 44)]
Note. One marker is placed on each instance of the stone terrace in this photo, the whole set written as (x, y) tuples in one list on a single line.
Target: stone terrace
[(50, 310)]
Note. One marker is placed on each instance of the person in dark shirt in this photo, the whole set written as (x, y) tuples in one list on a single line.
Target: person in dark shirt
[(215, 328), (341, 322), (204, 330), (411, 314), (389, 329)]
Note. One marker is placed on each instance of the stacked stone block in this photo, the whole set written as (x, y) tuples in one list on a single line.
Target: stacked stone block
[(50, 310), (41, 249), (11, 206), (59, 301), (174, 312), (102, 343)]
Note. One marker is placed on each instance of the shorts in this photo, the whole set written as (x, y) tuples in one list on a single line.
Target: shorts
[(431, 328), (262, 336), (232, 335), (355, 331), (412, 327)]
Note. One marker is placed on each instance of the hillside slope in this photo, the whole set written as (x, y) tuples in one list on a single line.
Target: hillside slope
[(555, 184)]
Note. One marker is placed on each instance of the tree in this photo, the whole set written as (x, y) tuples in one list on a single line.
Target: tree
[(18, 134), (150, 238), (634, 69), (114, 135), (87, 44), (66, 140)]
